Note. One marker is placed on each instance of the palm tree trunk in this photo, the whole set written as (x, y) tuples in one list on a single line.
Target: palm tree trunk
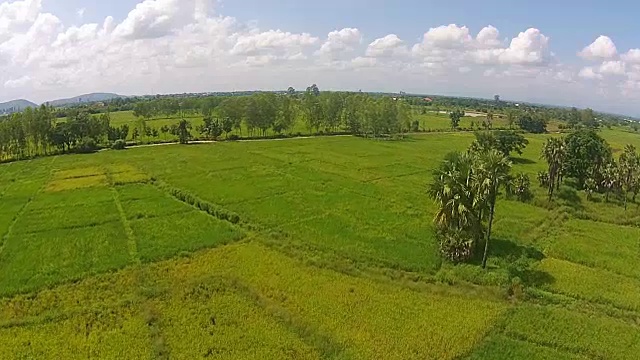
[(486, 244)]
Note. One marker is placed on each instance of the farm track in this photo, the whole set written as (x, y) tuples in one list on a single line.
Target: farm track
[(277, 139)]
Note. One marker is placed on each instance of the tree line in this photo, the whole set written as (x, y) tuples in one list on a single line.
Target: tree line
[(320, 112)]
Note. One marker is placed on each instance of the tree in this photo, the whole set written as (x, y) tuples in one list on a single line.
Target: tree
[(629, 166), (165, 130), (511, 117), (286, 115), (590, 186), (458, 220), (291, 91), (521, 187), (488, 123), (182, 130), (543, 178), (465, 188), (227, 126), (610, 178), (586, 154), (497, 98), (233, 110), (403, 116), (332, 106), (455, 117), (504, 141), (532, 124), (574, 118), (312, 107), (493, 173), (588, 119), (211, 128), (553, 152)]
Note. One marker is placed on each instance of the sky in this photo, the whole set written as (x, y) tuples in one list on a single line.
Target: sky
[(570, 53)]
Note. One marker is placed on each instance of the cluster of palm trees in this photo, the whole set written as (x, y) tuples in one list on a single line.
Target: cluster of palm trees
[(466, 187), (601, 170)]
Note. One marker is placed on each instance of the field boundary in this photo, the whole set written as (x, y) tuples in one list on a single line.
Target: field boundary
[(210, 208), (132, 245)]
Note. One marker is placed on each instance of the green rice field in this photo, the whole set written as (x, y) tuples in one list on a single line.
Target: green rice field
[(316, 248)]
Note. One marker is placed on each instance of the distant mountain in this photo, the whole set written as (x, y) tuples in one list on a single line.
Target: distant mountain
[(15, 106), (83, 99)]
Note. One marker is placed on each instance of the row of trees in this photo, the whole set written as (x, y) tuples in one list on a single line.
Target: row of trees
[(330, 112), (526, 120), (36, 132)]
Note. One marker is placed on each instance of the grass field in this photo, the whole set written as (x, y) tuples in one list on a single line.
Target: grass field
[(332, 256)]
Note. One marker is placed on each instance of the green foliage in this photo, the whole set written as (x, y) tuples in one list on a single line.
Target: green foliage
[(554, 152), (504, 141), (119, 144), (465, 188), (455, 117), (182, 130), (586, 154), (521, 187), (532, 123)]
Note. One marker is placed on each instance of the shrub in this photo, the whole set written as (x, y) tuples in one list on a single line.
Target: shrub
[(521, 187), (119, 145), (210, 208), (234, 137), (543, 178), (456, 246), (87, 145)]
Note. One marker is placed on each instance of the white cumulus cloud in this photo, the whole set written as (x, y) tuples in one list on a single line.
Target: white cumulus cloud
[(589, 73), (602, 48), (612, 68), (390, 45), (340, 41)]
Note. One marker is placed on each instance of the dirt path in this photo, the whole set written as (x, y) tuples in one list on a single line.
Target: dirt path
[(277, 139)]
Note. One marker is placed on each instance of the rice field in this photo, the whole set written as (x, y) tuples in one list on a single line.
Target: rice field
[(316, 248)]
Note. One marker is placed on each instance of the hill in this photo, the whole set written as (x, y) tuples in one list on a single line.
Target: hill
[(83, 99), (15, 106)]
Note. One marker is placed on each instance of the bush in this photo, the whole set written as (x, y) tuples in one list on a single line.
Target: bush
[(234, 137), (456, 246), (210, 208), (119, 145), (543, 178), (87, 145), (521, 187)]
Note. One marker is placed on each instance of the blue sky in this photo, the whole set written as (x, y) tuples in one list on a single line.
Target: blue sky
[(136, 46)]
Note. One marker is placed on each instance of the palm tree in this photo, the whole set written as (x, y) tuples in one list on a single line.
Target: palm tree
[(453, 191), (553, 152), (590, 187), (610, 178), (511, 117), (628, 167), (492, 174)]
